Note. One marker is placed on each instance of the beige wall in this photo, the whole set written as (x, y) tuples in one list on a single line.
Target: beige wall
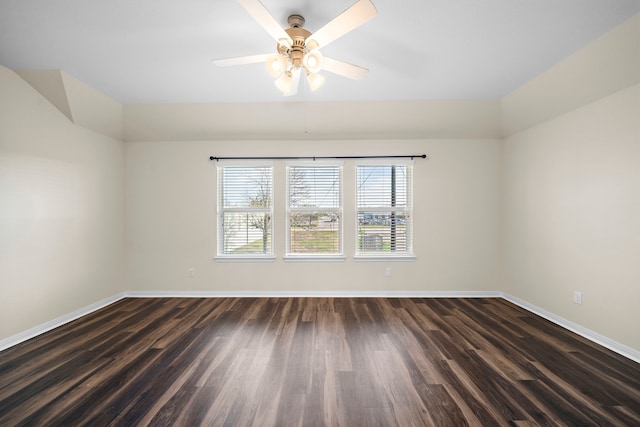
[(82, 104), (171, 220), (572, 215), (608, 65), (61, 211), (571, 188), (294, 121)]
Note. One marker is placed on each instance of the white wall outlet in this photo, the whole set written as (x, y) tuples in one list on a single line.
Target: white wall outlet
[(387, 272), (577, 297), (191, 272)]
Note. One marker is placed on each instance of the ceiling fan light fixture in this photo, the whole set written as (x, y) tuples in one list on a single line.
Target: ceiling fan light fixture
[(313, 61), (276, 65), (315, 81), (285, 43), (311, 44), (284, 82)]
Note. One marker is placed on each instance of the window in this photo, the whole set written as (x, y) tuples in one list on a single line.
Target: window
[(384, 209), (245, 210), (314, 210)]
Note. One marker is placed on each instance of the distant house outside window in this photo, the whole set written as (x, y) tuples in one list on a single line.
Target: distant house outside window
[(314, 209)]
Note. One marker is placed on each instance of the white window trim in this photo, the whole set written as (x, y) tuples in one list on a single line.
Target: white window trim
[(244, 258), (321, 258), (220, 210), (385, 256)]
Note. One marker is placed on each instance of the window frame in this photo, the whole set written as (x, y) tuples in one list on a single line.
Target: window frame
[(316, 256), (407, 211), (221, 210)]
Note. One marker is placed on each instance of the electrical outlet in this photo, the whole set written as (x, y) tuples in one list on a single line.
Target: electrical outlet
[(577, 297), (387, 272), (191, 272)]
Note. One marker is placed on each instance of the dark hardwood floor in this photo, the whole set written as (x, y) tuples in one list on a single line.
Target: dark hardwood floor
[(315, 362)]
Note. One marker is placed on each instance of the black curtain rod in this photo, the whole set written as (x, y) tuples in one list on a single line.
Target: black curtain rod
[(422, 156)]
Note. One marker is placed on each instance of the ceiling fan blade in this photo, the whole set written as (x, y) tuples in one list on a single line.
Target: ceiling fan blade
[(345, 69), (260, 13), (349, 20), (242, 60)]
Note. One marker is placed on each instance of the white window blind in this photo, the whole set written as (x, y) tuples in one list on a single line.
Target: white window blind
[(314, 209), (245, 210), (384, 209)]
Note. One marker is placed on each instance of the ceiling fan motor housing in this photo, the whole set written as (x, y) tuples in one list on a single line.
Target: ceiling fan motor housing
[(299, 35)]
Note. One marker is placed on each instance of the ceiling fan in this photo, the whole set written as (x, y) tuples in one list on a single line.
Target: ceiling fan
[(298, 50)]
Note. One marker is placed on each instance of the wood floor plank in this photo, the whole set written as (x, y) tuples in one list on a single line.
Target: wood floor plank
[(315, 362)]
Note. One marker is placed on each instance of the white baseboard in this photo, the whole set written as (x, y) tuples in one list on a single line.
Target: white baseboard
[(567, 324), (52, 324), (313, 294), (612, 345)]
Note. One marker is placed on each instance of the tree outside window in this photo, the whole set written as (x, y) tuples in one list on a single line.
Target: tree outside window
[(245, 207), (314, 209)]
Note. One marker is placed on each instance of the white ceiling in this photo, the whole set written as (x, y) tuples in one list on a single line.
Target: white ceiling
[(159, 51)]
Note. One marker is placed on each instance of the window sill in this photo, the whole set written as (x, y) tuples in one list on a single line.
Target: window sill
[(385, 258), (314, 258), (244, 259)]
